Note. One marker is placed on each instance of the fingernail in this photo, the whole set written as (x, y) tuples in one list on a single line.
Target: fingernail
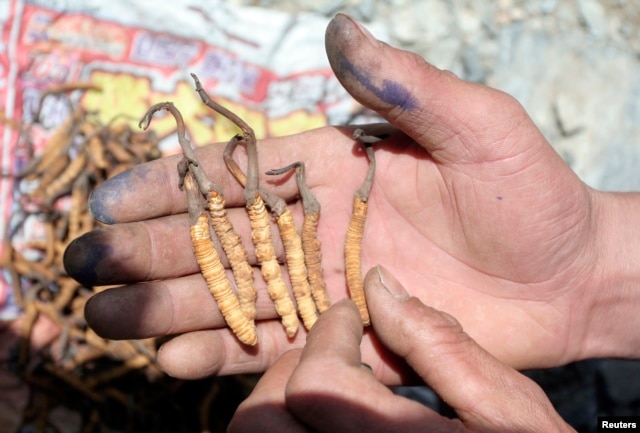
[(391, 284), (84, 255), (344, 30), (108, 195), (97, 206), (357, 57), (363, 30)]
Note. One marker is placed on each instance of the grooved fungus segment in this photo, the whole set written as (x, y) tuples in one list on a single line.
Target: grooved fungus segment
[(355, 231), (302, 249), (197, 185), (310, 243), (212, 269), (259, 221)]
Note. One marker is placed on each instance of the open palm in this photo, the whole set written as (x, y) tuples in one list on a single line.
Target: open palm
[(471, 209)]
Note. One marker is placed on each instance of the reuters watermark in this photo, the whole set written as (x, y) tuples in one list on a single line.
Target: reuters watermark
[(619, 424)]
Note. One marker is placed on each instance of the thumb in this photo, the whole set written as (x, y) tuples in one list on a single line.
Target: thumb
[(486, 394), (451, 118)]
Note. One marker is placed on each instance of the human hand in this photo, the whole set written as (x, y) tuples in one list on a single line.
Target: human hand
[(326, 388), (471, 208)]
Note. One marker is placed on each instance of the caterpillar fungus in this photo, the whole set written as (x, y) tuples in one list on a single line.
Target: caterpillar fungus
[(97, 151), (291, 240), (64, 88), (54, 157), (311, 245), (235, 251), (58, 186), (78, 208), (211, 268), (297, 268), (355, 230), (229, 239), (258, 217), (266, 256)]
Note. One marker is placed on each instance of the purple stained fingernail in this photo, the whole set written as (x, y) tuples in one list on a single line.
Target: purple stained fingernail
[(116, 194), (104, 197), (345, 37), (85, 255)]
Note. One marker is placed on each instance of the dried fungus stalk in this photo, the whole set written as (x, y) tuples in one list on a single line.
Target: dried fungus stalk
[(259, 221), (355, 231), (64, 88), (263, 244), (54, 157), (311, 245), (297, 268), (229, 239), (212, 269), (266, 257), (288, 234), (236, 253)]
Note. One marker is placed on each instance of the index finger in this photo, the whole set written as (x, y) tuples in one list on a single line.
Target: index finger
[(317, 395), (151, 190), (336, 339)]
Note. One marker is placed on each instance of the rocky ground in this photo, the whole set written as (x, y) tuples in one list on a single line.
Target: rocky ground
[(575, 66)]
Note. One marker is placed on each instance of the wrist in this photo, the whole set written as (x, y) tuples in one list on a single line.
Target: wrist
[(612, 319)]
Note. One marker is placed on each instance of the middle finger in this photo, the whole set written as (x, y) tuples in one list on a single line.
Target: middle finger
[(148, 250)]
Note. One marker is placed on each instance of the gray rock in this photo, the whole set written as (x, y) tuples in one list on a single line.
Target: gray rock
[(593, 16)]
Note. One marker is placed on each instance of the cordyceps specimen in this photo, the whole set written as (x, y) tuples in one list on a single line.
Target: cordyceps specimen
[(291, 240), (355, 231), (256, 199), (309, 234), (239, 312), (211, 268)]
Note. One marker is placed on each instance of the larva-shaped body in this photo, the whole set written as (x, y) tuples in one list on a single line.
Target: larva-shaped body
[(97, 151), (56, 147), (352, 249), (266, 256), (94, 145), (78, 208), (50, 251), (120, 153), (220, 287), (237, 255), (67, 177), (297, 268), (313, 260), (57, 167)]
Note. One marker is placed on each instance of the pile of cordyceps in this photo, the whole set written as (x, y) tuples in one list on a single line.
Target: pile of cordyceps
[(97, 383)]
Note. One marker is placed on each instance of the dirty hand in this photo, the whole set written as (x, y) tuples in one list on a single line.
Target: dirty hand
[(471, 208), (304, 391)]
